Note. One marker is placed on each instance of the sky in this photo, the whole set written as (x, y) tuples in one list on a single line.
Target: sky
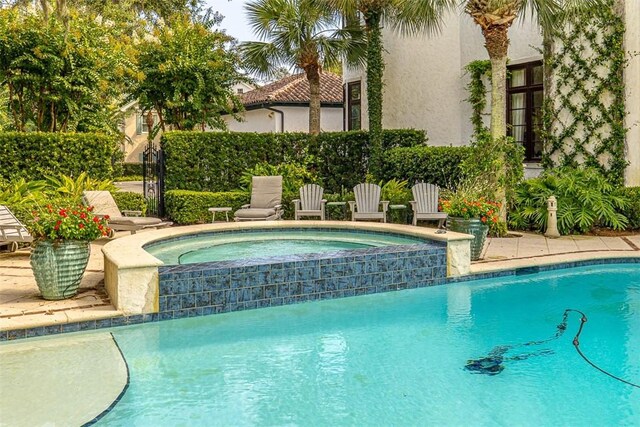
[(234, 22)]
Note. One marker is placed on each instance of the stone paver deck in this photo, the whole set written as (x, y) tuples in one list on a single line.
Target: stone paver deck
[(21, 306)]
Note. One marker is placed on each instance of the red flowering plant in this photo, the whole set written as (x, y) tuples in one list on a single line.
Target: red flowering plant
[(460, 207), (68, 223)]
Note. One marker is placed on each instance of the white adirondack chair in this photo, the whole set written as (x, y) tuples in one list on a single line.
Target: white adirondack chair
[(310, 202), (367, 203), (425, 204), (266, 200), (12, 231)]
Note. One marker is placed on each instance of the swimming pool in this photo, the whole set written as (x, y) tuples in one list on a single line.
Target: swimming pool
[(226, 246), (397, 358)]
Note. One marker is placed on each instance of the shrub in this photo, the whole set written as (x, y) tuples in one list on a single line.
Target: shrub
[(487, 158), (191, 207), (435, 165), (632, 210), (76, 222), (130, 201), (131, 169), (34, 155), (585, 199)]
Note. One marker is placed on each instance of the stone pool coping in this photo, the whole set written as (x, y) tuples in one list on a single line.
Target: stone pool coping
[(131, 273)]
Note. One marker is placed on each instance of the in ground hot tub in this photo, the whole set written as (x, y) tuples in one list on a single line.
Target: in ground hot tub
[(198, 270)]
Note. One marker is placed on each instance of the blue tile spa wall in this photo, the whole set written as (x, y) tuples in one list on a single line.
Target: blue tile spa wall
[(220, 287)]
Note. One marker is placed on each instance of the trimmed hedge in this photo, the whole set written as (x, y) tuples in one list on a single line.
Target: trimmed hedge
[(436, 165), (191, 207), (35, 154), (130, 201), (215, 161), (131, 169)]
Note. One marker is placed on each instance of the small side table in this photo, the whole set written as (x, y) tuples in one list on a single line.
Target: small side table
[(335, 204), (214, 210), (402, 212)]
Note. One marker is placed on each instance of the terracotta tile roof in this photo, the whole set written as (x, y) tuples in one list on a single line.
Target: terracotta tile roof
[(295, 89)]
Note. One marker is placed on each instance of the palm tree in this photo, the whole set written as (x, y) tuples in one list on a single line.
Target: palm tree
[(406, 17), (301, 33)]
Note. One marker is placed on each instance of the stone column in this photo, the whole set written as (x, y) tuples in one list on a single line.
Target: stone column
[(632, 91)]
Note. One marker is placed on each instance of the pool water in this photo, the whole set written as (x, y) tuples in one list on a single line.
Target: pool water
[(235, 246), (397, 358)]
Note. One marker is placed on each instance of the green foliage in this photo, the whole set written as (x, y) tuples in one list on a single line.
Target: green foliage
[(632, 209), (130, 201), (396, 192), (36, 155), (487, 158), (62, 73), (585, 199), (436, 165), (375, 86), (20, 192), (215, 161), (131, 169), (191, 207), (72, 188), (587, 66), (22, 196), (188, 75), (478, 70)]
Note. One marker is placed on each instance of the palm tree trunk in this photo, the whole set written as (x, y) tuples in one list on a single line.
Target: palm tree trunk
[(497, 44), (313, 76), (375, 70)]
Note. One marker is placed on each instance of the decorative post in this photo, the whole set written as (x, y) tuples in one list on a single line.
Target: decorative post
[(552, 219)]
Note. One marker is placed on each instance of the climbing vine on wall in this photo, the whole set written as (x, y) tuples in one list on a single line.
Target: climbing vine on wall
[(477, 92), (583, 116)]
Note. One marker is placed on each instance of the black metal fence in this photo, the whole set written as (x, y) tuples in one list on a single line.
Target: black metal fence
[(153, 180)]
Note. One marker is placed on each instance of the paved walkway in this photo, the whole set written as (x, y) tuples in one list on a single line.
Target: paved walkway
[(21, 306)]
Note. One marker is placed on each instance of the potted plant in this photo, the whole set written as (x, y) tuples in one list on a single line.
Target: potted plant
[(61, 247), (471, 215)]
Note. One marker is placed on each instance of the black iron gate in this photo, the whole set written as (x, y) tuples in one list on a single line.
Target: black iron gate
[(153, 180)]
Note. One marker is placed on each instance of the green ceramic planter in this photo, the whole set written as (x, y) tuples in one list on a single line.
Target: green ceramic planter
[(58, 267), (473, 226)]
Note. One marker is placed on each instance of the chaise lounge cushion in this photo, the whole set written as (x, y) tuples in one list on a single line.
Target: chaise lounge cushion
[(135, 220), (255, 213)]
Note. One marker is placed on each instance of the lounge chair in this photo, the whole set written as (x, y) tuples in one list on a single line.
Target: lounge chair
[(103, 204), (367, 203), (310, 202), (12, 231), (266, 200), (425, 204)]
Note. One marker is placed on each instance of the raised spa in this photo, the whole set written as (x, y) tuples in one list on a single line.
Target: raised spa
[(234, 270), (235, 245)]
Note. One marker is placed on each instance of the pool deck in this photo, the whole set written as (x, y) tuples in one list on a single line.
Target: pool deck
[(21, 306)]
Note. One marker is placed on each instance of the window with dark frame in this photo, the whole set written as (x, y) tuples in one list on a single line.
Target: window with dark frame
[(524, 107), (354, 111)]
